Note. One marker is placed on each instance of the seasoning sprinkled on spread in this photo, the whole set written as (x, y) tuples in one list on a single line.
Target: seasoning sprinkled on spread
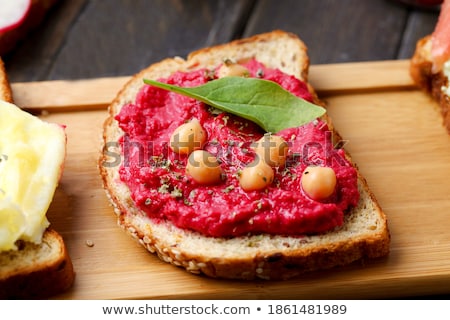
[(217, 204)]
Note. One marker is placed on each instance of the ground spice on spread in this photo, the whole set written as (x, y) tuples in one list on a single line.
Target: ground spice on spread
[(159, 186)]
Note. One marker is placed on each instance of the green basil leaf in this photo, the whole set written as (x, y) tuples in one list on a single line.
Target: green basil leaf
[(262, 101)]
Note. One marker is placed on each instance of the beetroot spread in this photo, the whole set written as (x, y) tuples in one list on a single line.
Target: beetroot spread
[(159, 186)]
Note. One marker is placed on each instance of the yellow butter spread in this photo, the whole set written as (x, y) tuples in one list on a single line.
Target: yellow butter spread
[(32, 154)]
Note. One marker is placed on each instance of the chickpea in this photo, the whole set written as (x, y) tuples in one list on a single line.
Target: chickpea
[(256, 176), (318, 182), (203, 167), (229, 69), (188, 137), (272, 149)]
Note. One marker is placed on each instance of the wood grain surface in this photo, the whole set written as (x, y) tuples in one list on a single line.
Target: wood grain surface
[(393, 132)]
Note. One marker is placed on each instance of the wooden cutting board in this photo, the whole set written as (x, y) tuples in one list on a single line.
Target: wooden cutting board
[(393, 132)]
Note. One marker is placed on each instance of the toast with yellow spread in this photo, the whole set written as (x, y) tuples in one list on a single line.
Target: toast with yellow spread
[(34, 261), (363, 234)]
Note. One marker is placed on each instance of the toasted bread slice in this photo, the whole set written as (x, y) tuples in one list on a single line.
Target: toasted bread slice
[(364, 233), (34, 271), (432, 82), (5, 88)]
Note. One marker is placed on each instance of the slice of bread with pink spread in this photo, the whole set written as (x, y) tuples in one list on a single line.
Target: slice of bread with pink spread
[(363, 235)]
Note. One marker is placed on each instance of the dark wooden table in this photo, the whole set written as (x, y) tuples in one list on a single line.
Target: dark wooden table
[(83, 39), (97, 38)]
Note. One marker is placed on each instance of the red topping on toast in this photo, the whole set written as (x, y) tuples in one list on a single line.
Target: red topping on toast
[(159, 187)]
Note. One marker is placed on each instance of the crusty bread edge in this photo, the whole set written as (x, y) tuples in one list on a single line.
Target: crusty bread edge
[(6, 92), (266, 265), (270, 265), (421, 72), (40, 281)]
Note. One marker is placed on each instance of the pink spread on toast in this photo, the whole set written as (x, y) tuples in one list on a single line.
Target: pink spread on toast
[(159, 186), (440, 43)]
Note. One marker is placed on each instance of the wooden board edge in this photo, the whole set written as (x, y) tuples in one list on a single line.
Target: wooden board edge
[(97, 93)]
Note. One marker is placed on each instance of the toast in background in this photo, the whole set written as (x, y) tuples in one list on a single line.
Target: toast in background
[(428, 66), (364, 233), (421, 70), (34, 271)]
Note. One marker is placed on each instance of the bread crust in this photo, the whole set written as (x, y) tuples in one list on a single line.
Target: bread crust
[(5, 88), (36, 271), (364, 234), (421, 70)]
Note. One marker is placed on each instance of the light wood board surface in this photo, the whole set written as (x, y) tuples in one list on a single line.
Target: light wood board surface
[(393, 132)]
